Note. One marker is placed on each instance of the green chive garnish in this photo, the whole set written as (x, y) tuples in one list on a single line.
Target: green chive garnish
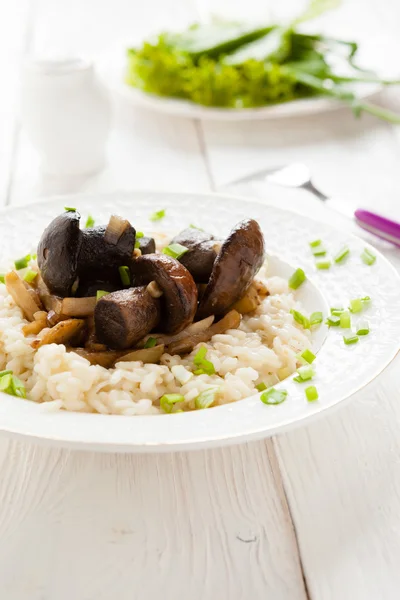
[(10, 384), (261, 387), (297, 279), (200, 355), (306, 372), (316, 318), (362, 328), (366, 300), (22, 263), (206, 398), (341, 255), (150, 342), (175, 250), (2, 279), (69, 209), (30, 276), (323, 264), (298, 379), (139, 234), (315, 243), (308, 356), (206, 367), (273, 396), (137, 244), (356, 305), (6, 372), (100, 294), (301, 319), (89, 222), (337, 311), (333, 321), (168, 400), (318, 251), (311, 393), (125, 275), (353, 339), (345, 321), (368, 257), (157, 216)]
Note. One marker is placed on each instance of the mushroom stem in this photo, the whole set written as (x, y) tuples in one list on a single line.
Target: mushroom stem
[(154, 289), (115, 228)]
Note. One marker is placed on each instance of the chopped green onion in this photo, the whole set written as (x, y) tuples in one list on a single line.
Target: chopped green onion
[(368, 257), (10, 384), (308, 356), (366, 300), (345, 321), (333, 321), (206, 367), (157, 216), (315, 243), (311, 393), (363, 328), (200, 355), (125, 275), (306, 372), (301, 319), (6, 372), (323, 264), (341, 255), (297, 278), (168, 400), (175, 250), (316, 318), (337, 311), (206, 398), (69, 209), (318, 251), (22, 263), (356, 305), (261, 387), (100, 294), (2, 279), (89, 222), (137, 244), (139, 234), (30, 276), (273, 396), (298, 379), (150, 342), (34, 256), (353, 339)]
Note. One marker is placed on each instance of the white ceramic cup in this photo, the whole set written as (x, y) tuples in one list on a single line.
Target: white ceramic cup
[(67, 114)]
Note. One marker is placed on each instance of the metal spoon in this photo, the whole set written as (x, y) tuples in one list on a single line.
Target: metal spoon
[(298, 175)]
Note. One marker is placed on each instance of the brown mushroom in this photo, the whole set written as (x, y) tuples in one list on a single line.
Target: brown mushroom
[(147, 245), (179, 299), (122, 318), (239, 259), (201, 254)]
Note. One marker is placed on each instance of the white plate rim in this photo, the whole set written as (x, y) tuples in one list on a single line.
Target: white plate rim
[(45, 426)]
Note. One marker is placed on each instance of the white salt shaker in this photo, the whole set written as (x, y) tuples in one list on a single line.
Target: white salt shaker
[(67, 114)]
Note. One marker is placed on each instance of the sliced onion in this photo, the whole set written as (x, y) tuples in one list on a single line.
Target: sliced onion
[(115, 228), (63, 333), (145, 355), (21, 296), (78, 307), (192, 329)]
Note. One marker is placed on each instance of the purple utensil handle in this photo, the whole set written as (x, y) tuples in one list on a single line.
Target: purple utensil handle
[(380, 226)]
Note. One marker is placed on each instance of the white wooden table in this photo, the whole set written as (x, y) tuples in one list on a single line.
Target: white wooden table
[(311, 514)]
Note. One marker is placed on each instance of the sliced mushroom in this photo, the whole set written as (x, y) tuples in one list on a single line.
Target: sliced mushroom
[(201, 254), (230, 321), (104, 359), (21, 296), (193, 329), (147, 245), (58, 252), (179, 299), (239, 259), (144, 355), (67, 255), (122, 318), (65, 332)]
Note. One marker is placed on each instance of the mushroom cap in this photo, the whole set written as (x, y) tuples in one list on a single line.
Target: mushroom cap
[(124, 317), (147, 245), (99, 256), (58, 253), (239, 259), (179, 299), (201, 254)]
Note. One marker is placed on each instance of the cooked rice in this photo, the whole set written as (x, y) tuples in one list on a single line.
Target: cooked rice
[(263, 349)]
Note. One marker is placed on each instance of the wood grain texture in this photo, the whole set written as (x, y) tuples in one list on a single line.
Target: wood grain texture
[(197, 525)]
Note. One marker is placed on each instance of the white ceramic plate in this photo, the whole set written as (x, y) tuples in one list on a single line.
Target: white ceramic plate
[(341, 370), (112, 70)]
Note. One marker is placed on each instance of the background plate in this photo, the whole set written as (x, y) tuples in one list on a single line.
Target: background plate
[(341, 370)]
